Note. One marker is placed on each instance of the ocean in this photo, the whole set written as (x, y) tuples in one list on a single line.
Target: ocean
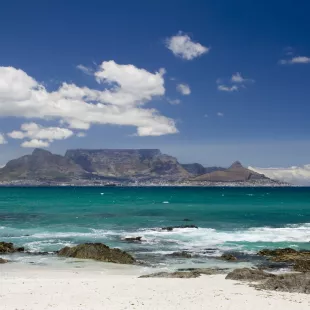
[(237, 220)]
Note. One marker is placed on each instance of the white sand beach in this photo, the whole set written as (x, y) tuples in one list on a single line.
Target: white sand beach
[(39, 288)]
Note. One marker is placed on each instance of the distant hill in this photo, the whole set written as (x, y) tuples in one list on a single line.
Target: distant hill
[(41, 165), (198, 169), (235, 173)]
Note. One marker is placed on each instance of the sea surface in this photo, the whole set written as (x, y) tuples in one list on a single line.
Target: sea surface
[(238, 220)]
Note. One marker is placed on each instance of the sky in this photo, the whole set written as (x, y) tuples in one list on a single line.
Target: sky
[(205, 81)]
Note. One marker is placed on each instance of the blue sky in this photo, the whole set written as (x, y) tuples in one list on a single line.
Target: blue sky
[(261, 119)]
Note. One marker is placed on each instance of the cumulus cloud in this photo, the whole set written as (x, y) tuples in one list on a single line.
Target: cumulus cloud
[(126, 90), (37, 133), (184, 89), (220, 114), (295, 60), (182, 46), (35, 143), (294, 175), (2, 139), (237, 78)]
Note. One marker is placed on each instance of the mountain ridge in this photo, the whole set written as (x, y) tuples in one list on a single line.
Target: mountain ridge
[(122, 165)]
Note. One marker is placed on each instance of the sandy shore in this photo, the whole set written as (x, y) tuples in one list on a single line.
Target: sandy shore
[(38, 288)]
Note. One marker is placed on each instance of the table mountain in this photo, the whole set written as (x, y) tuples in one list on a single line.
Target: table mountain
[(128, 163)]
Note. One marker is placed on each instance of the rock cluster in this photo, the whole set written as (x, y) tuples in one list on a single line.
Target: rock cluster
[(8, 247), (299, 259), (176, 274), (248, 274), (97, 251), (171, 228)]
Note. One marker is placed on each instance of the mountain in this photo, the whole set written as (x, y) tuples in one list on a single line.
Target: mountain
[(41, 165), (194, 169), (235, 173), (128, 163)]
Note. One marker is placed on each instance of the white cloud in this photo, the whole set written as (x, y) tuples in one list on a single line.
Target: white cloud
[(85, 69), (81, 134), (35, 143), (174, 101), (227, 88), (237, 78), (294, 175), (2, 139), (182, 46), (184, 89), (120, 103), (36, 132), (220, 114), (295, 60)]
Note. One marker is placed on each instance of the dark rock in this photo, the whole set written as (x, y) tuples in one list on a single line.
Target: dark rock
[(177, 274), (3, 261), (302, 265), (97, 251), (228, 257), (133, 239), (205, 271), (247, 274), (182, 254), (187, 220), (8, 247), (299, 259), (171, 228), (293, 283)]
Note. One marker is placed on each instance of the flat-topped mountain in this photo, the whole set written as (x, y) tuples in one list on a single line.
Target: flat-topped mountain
[(140, 163), (84, 166), (235, 173), (41, 165)]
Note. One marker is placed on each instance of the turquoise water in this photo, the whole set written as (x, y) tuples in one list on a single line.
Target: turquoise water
[(229, 219)]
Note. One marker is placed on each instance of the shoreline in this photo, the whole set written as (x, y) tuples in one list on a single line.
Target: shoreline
[(39, 288)]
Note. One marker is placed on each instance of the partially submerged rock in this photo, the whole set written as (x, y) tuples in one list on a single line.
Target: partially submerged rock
[(182, 254), (3, 261), (228, 257), (133, 239), (293, 283), (299, 259), (8, 247), (171, 228), (248, 274), (99, 252), (177, 274)]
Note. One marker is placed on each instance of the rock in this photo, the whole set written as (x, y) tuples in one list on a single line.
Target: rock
[(8, 247), (293, 283), (205, 271), (3, 261), (133, 239), (187, 220), (302, 265), (299, 259), (182, 254), (171, 228), (247, 274), (177, 274), (97, 251), (228, 257)]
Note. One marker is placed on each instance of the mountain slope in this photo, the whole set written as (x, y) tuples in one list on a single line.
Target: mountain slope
[(235, 173), (41, 165)]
